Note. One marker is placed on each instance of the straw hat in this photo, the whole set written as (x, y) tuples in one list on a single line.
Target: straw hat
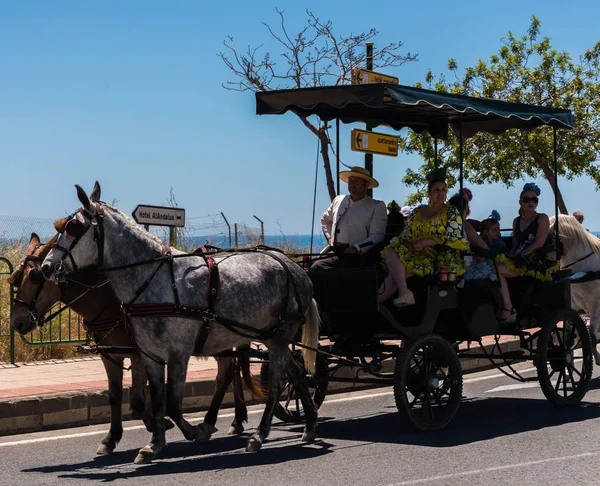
[(360, 172)]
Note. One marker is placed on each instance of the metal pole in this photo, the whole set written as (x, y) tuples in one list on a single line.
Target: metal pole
[(337, 154), (262, 231), (235, 232), (228, 227), (435, 152), (460, 155), (555, 169), (172, 236), (147, 227), (369, 157)]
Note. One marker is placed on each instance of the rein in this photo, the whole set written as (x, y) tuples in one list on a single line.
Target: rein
[(580, 260)]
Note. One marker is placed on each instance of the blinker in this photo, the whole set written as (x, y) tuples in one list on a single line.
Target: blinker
[(74, 228), (36, 277)]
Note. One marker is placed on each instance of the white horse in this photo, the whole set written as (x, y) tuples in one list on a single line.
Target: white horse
[(260, 295), (581, 253)]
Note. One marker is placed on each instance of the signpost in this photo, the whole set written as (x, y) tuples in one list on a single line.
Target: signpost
[(374, 143), (363, 76), (160, 216)]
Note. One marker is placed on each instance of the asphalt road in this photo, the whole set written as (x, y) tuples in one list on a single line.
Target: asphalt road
[(504, 433)]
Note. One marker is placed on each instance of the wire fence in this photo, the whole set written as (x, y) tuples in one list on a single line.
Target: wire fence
[(66, 328)]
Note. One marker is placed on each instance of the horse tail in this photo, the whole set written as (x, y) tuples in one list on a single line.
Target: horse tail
[(310, 336), (243, 365)]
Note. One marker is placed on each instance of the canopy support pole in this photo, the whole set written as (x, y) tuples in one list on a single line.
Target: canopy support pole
[(555, 170), (435, 152), (337, 154), (460, 171), (312, 226)]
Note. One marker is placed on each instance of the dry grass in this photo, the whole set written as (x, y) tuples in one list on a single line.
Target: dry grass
[(14, 252)]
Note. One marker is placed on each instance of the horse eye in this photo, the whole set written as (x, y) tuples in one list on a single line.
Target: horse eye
[(36, 277), (74, 228)]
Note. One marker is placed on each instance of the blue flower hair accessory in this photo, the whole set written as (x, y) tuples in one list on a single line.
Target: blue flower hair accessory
[(532, 186), (495, 215)]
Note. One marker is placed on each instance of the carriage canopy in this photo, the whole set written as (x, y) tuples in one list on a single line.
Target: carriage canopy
[(400, 107)]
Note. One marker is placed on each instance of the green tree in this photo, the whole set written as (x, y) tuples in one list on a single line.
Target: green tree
[(313, 57), (526, 69)]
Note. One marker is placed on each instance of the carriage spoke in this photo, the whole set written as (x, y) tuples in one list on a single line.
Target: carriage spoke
[(572, 368), (557, 386), (571, 377), (564, 375)]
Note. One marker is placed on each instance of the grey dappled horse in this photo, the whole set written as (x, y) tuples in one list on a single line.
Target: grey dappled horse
[(264, 292), (90, 295), (581, 253)]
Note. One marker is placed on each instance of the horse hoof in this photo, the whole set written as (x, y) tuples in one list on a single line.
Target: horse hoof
[(253, 445), (105, 449), (169, 424), (309, 436), (236, 430), (145, 456), (204, 431)]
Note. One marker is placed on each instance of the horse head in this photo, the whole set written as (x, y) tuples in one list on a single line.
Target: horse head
[(80, 240), (34, 295), (576, 243)]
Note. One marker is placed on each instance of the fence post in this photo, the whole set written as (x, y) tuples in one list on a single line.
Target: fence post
[(235, 232), (228, 228), (262, 231)]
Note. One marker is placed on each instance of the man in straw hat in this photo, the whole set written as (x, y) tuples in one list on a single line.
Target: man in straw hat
[(353, 224)]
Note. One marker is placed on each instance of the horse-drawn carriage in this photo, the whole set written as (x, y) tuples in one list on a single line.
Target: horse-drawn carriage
[(427, 376), (174, 304)]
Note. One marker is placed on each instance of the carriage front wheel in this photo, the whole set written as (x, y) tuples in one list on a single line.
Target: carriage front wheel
[(564, 359), (289, 408), (428, 382)]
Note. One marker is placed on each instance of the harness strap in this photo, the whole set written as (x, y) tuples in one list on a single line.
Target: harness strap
[(580, 260)]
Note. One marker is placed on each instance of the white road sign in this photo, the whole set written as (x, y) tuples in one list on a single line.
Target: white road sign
[(159, 216)]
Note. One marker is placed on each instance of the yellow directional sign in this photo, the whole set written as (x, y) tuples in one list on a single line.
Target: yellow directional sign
[(362, 76), (374, 143)]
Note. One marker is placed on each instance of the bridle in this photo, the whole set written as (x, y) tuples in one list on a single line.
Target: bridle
[(36, 278), (77, 229)]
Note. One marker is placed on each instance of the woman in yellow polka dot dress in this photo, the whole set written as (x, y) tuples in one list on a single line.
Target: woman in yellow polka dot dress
[(417, 250)]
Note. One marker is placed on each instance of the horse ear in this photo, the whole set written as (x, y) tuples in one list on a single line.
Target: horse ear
[(83, 197), (95, 195), (34, 242)]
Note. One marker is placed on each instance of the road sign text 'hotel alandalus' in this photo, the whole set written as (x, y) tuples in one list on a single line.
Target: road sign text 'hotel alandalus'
[(159, 215)]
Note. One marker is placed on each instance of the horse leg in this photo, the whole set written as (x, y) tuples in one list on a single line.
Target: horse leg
[(594, 324), (139, 406), (177, 373), (241, 412), (277, 373), (224, 378), (156, 380), (114, 373), (297, 375)]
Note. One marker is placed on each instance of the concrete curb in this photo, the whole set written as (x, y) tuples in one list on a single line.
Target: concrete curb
[(71, 409)]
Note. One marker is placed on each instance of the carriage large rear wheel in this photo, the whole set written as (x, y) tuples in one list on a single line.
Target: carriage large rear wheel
[(564, 359), (289, 408), (428, 383)]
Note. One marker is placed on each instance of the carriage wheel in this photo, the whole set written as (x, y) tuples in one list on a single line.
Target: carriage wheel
[(289, 408), (428, 383), (564, 359)]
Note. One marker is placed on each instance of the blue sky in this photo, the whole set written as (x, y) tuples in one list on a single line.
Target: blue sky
[(130, 93)]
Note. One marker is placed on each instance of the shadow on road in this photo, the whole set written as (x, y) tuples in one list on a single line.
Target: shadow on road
[(477, 420)]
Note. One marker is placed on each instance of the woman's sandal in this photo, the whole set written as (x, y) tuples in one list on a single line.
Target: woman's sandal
[(511, 317)]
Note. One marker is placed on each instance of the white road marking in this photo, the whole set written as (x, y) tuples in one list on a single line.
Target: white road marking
[(228, 415), (517, 386), (475, 472)]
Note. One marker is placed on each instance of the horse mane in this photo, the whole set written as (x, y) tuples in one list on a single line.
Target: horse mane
[(571, 229), (133, 225)]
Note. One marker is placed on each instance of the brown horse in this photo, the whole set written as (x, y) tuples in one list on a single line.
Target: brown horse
[(93, 298)]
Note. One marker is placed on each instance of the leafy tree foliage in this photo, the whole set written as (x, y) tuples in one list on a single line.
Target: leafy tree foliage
[(526, 69), (313, 57)]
